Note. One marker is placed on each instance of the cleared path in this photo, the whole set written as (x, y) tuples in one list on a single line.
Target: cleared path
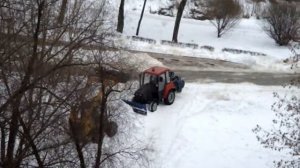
[(210, 70)]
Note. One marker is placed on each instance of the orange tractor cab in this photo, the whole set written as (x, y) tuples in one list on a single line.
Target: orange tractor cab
[(157, 85)]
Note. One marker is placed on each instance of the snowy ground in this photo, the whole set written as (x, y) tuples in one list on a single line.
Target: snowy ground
[(248, 35), (210, 125)]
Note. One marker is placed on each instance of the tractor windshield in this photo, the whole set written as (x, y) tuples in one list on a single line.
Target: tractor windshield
[(148, 78)]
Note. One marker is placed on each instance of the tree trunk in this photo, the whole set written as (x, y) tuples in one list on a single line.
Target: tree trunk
[(77, 144), (140, 21), (219, 31), (14, 124), (178, 19), (101, 124), (80, 154), (62, 12), (121, 17), (3, 136), (31, 143), (13, 130)]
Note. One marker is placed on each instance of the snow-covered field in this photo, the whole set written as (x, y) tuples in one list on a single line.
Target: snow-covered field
[(248, 35), (210, 125)]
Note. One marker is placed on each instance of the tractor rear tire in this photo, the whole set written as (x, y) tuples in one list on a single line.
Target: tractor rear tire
[(170, 98), (153, 106)]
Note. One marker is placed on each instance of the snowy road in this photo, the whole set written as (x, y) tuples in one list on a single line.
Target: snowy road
[(205, 70), (259, 78)]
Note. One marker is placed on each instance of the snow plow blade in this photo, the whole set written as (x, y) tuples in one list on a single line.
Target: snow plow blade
[(137, 107)]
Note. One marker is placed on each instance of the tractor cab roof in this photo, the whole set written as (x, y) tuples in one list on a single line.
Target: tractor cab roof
[(156, 70)]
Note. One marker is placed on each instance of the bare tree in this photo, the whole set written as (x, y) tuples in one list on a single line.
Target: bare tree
[(167, 8), (178, 19), (121, 17), (257, 7), (45, 60), (282, 22), (285, 135), (99, 117), (141, 18), (39, 49), (225, 14)]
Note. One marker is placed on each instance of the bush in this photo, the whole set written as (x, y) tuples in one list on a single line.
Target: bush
[(209, 48), (257, 8), (147, 40), (282, 22), (225, 14), (237, 51), (179, 44), (284, 135)]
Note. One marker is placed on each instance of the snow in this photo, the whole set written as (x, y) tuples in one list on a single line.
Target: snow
[(138, 60), (137, 5), (210, 125), (248, 35)]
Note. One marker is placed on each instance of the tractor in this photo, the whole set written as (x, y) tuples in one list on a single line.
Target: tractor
[(157, 85)]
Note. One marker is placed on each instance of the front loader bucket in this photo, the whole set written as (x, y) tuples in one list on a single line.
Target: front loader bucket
[(137, 107)]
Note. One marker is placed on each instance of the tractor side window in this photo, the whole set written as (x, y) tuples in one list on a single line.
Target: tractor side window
[(168, 77), (161, 83), (149, 79), (171, 74)]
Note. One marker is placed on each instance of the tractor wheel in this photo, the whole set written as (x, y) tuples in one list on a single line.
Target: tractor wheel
[(181, 87), (170, 98), (153, 106)]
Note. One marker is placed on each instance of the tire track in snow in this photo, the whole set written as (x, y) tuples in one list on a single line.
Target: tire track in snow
[(178, 143)]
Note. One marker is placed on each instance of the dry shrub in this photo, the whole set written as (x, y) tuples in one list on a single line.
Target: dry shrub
[(282, 22)]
